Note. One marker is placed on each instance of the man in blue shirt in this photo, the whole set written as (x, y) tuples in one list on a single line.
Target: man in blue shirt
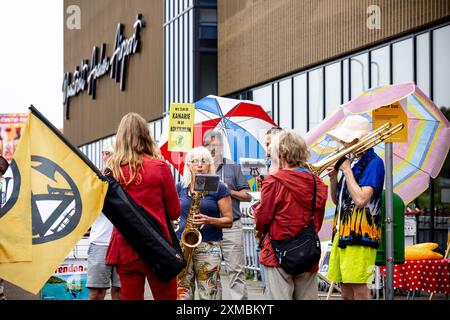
[(357, 220), (232, 244)]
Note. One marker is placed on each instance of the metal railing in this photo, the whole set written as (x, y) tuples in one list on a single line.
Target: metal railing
[(251, 249)]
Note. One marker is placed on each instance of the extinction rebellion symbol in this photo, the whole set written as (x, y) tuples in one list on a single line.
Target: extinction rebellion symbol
[(10, 190), (56, 205), (55, 202)]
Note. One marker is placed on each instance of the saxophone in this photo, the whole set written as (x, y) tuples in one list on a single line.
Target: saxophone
[(191, 236)]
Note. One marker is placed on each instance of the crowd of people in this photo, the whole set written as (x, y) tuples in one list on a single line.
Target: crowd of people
[(292, 195)]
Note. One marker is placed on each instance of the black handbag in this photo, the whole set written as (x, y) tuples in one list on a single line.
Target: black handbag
[(143, 232), (300, 253)]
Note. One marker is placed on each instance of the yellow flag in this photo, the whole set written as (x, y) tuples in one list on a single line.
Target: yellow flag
[(181, 127), (66, 197), (14, 213)]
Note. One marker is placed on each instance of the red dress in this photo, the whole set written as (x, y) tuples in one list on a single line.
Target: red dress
[(155, 192)]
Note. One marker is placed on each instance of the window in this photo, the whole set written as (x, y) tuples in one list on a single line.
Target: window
[(300, 104), (171, 66), (315, 98), (423, 62), (208, 17), (380, 67), (286, 103), (98, 154), (359, 74), (151, 128), (441, 67), (181, 56), (186, 57), (332, 87), (207, 74), (191, 55), (207, 2), (157, 130), (263, 97), (402, 61), (166, 7), (166, 69), (208, 28), (276, 116), (177, 53), (345, 80), (441, 96)]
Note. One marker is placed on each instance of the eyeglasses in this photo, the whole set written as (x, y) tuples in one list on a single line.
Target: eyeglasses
[(213, 145), (197, 162)]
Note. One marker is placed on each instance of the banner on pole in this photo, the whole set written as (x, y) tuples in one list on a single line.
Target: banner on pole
[(181, 126)]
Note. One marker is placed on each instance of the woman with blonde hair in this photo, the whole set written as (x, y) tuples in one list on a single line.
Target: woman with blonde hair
[(286, 209), (215, 214), (149, 181)]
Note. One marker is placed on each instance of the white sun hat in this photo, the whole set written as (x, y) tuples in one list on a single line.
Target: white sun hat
[(353, 127)]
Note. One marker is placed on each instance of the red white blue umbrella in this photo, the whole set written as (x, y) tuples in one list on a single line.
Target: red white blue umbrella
[(243, 123)]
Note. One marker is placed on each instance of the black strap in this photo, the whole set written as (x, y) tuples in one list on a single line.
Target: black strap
[(314, 198), (172, 233), (313, 208)]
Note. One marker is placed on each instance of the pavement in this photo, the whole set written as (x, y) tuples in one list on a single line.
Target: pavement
[(254, 287)]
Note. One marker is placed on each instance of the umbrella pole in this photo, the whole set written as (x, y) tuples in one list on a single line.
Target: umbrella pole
[(389, 223), (431, 236)]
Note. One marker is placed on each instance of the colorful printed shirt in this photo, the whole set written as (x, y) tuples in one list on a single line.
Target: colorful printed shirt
[(361, 226)]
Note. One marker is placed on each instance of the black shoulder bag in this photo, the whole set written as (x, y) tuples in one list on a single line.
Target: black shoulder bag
[(143, 232), (300, 253)]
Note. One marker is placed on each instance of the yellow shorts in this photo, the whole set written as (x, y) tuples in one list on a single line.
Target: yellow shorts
[(354, 264)]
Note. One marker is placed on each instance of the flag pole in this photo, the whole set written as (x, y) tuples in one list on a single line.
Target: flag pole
[(58, 133)]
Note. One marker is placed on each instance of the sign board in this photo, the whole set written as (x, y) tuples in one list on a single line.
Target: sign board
[(181, 127), (10, 132), (85, 76), (394, 114), (325, 258), (68, 282), (410, 225)]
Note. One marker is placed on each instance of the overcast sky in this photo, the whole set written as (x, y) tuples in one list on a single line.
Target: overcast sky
[(31, 57)]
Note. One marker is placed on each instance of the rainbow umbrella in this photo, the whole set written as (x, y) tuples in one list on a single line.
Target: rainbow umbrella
[(415, 161), (242, 123)]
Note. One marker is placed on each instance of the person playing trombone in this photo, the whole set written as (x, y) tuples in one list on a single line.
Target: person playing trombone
[(357, 219)]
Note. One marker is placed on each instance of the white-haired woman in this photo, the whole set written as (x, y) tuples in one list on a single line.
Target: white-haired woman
[(215, 214)]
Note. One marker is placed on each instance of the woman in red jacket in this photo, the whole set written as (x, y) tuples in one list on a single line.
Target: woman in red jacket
[(150, 183), (285, 210)]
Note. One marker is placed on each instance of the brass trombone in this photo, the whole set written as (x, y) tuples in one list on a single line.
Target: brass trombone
[(367, 142)]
